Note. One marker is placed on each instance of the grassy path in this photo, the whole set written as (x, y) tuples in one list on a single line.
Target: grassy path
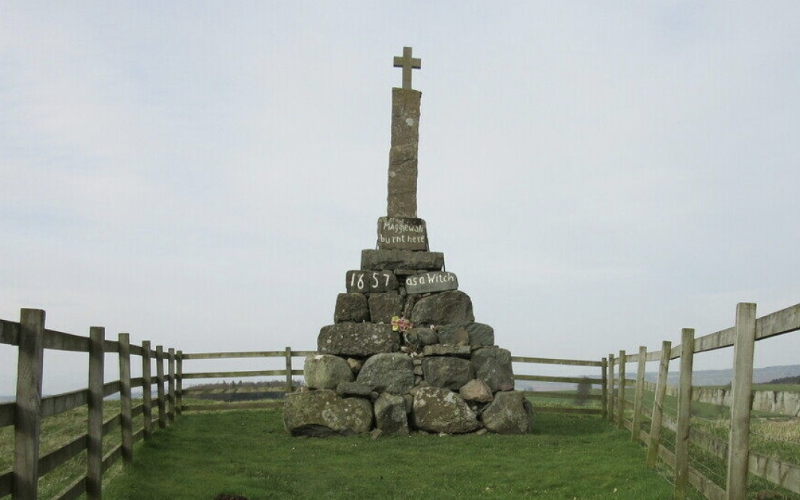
[(247, 453)]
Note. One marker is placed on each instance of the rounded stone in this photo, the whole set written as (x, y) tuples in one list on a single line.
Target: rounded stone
[(325, 371), (447, 372), (442, 410), (493, 366), (313, 409), (453, 307), (390, 414), (351, 307), (509, 413), (388, 372)]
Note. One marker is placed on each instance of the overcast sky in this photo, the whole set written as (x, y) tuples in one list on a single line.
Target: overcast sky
[(599, 175)]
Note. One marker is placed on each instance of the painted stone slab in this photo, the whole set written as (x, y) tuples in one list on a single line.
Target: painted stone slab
[(431, 282), (400, 233), (371, 281)]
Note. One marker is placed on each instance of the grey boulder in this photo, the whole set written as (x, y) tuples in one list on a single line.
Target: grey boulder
[(454, 307), (509, 413), (351, 307), (357, 339), (384, 306), (388, 372), (314, 410), (493, 366), (325, 371), (477, 391), (390, 414), (441, 410), (446, 372), (480, 334)]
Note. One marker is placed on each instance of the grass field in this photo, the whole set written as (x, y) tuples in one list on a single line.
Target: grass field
[(770, 435), (248, 453), (57, 431)]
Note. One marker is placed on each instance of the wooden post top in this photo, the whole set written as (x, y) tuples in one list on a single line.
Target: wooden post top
[(407, 63)]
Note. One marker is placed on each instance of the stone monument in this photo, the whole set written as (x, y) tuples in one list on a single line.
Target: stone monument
[(405, 353)]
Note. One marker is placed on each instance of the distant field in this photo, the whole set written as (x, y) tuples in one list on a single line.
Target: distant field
[(255, 440), (56, 432)]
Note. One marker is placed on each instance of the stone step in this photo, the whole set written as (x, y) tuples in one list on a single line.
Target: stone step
[(401, 259)]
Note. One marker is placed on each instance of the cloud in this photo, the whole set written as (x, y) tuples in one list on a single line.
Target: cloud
[(203, 175)]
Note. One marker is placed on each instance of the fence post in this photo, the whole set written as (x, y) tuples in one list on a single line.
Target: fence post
[(179, 382), (125, 396), (639, 397), (621, 409), (611, 389), (289, 388), (658, 405), (742, 391), (684, 414), (171, 384), (162, 413), (28, 414), (604, 388), (147, 391), (94, 456)]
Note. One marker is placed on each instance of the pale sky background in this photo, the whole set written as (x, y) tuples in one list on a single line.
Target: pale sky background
[(599, 175)]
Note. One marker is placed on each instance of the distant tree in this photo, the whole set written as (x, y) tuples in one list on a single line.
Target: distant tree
[(785, 380), (584, 390)]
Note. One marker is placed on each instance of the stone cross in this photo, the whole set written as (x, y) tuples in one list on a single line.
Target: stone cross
[(407, 63)]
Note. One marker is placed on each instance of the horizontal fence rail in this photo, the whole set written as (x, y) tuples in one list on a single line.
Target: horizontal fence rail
[(287, 373), (580, 397)]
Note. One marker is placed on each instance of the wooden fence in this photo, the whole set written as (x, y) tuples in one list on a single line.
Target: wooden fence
[(159, 408), (288, 372), (162, 393), (568, 396), (159, 405), (740, 459)]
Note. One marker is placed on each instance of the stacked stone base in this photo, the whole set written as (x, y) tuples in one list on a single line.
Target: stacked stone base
[(444, 375), (454, 396)]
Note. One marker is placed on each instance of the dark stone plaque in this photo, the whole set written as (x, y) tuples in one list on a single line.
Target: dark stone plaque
[(400, 233), (371, 281), (431, 282)]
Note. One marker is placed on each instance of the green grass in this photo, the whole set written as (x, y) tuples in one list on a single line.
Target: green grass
[(568, 400), (56, 431), (248, 453), (771, 435)]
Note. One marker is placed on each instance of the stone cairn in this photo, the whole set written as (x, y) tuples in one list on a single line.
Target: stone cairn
[(405, 353)]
